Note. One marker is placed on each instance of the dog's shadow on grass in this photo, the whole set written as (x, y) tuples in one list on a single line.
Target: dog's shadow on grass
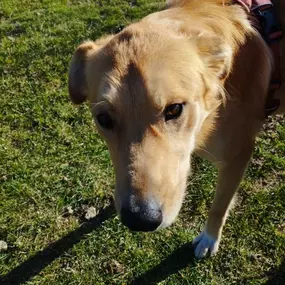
[(184, 257), (179, 259), (277, 277), (35, 264)]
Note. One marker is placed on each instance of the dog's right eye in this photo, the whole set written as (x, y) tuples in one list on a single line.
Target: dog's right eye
[(105, 121)]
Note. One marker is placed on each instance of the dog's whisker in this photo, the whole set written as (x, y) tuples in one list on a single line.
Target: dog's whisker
[(213, 156)]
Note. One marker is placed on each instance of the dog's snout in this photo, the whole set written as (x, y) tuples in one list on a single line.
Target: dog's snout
[(141, 217)]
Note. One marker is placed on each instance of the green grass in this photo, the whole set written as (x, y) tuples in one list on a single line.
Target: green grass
[(51, 157)]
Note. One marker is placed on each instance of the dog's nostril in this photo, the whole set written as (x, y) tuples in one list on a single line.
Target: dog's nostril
[(143, 218)]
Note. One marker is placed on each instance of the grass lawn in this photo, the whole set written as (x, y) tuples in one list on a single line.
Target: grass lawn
[(54, 168)]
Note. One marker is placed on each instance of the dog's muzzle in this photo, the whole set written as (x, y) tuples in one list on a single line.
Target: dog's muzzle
[(141, 216)]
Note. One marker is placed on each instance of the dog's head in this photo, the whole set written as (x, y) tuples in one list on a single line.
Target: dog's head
[(150, 94)]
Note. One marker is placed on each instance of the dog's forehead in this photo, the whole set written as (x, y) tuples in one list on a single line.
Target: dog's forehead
[(127, 87), (151, 86), (150, 74)]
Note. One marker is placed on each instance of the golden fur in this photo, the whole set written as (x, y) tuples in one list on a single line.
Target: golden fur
[(203, 54)]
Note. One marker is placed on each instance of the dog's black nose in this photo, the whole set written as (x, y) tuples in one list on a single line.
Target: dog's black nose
[(141, 217)]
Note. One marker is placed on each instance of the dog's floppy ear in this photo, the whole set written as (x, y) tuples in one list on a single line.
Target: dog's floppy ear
[(216, 54), (77, 78)]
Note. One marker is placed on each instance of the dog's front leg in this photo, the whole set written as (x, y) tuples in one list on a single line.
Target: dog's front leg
[(230, 175)]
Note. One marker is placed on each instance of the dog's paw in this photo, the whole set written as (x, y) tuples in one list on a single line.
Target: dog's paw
[(205, 245)]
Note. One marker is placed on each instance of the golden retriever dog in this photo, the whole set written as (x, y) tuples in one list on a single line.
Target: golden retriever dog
[(193, 77)]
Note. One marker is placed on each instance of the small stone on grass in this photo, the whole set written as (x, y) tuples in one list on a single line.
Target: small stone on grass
[(90, 213), (3, 246), (67, 211)]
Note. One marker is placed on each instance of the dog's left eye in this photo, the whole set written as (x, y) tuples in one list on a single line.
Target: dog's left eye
[(173, 111)]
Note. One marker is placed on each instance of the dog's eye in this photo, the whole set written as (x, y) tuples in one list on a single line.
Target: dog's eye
[(173, 111), (105, 121)]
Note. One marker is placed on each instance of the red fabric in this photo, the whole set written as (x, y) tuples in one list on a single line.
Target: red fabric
[(259, 3), (253, 4)]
